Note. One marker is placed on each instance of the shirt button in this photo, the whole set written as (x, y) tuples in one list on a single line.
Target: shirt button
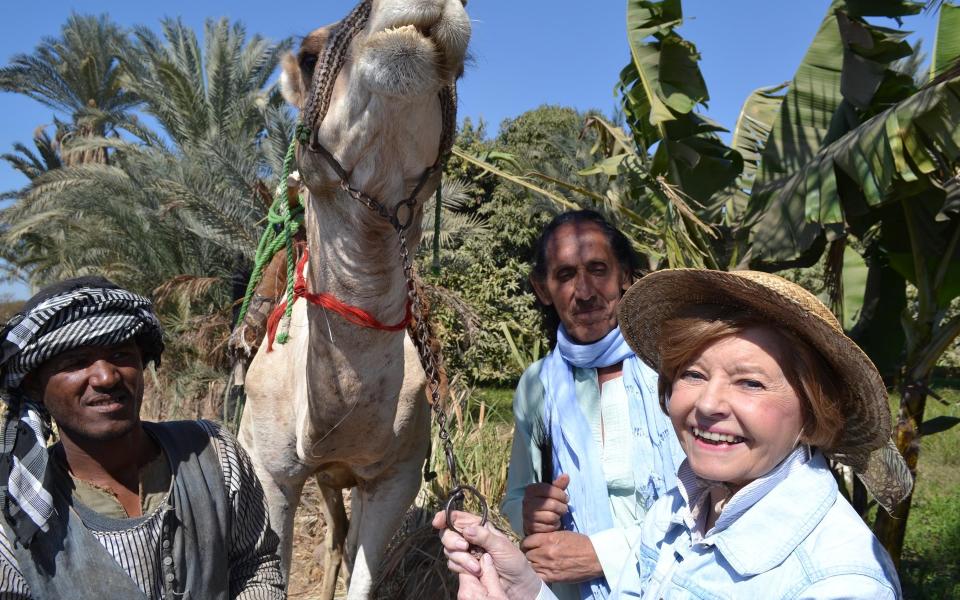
[(168, 561), (169, 577), (166, 543)]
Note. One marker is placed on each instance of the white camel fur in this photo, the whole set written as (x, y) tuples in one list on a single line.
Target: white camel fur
[(339, 402)]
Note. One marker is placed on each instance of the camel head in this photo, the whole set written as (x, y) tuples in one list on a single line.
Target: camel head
[(369, 88)]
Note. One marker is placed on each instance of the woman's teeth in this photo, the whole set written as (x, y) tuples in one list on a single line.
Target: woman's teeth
[(714, 437)]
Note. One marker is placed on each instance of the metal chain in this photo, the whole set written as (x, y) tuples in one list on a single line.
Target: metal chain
[(428, 358), (431, 367)]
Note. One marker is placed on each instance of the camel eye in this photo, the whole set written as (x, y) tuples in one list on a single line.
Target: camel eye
[(308, 62)]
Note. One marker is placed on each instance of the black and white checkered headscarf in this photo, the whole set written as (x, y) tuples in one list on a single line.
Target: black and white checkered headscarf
[(88, 311)]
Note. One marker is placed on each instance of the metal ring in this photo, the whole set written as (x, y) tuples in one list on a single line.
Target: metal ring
[(403, 223), (458, 492)]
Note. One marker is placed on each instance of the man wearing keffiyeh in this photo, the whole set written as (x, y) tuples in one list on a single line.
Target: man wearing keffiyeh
[(128, 500), (589, 414)]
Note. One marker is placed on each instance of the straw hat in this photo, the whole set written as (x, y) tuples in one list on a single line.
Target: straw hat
[(865, 443)]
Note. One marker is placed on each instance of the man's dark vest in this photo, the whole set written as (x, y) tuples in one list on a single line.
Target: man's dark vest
[(67, 561)]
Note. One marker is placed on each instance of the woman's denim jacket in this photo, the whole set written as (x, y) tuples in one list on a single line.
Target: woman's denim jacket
[(792, 536)]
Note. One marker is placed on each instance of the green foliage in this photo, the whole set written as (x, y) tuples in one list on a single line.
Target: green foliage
[(77, 73), (481, 290), (947, 43), (171, 214), (931, 556), (487, 275)]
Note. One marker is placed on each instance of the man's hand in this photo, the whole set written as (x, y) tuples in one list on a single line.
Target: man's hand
[(544, 504), (562, 556)]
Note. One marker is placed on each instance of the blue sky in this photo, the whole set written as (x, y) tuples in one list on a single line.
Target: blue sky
[(526, 52)]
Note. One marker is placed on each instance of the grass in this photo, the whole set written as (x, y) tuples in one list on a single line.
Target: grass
[(930, 565), (481, 429)]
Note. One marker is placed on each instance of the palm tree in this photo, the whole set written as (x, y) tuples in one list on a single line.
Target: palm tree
[(173, 212), (32, 163), (78, 76)]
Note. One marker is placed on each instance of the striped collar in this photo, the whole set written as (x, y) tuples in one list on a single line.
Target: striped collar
[(766, 520), (694, 491)]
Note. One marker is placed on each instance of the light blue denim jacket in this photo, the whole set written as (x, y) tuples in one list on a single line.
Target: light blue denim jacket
[(788, 534)]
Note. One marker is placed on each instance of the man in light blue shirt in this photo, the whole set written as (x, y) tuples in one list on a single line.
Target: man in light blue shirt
[(591, 450)]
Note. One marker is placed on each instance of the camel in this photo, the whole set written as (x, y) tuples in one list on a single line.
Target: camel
[(338, 402)]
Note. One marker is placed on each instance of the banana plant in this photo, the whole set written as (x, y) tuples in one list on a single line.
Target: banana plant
[(660, 178), (892, 180)]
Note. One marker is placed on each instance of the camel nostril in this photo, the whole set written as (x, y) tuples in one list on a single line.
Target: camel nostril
[(424, 31)]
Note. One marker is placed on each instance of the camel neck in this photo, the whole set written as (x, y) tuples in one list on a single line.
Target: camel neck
[(354, 255)]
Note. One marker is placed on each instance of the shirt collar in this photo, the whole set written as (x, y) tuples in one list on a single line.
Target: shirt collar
[(778, 521)]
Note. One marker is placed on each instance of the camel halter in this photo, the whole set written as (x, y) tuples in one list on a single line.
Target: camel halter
[(318, 102)]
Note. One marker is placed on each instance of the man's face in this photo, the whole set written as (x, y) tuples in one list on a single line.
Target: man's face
[(584, 281), (94, 392)]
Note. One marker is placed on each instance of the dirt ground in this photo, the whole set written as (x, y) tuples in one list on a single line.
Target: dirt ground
[(414, 568), (307, 564)]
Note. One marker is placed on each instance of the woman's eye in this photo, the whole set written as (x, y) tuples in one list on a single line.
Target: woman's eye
[(690, 374), (752, 384)]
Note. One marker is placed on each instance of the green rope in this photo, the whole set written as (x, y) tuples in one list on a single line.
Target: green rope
[(283, 332), (279, 216)]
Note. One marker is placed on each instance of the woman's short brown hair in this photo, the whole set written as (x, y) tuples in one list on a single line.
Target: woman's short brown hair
[(684, 336)]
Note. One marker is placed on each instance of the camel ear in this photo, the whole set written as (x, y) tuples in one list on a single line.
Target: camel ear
[(291, 81)]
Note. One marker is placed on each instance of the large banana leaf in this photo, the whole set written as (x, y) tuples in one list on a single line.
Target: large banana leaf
[(661, 87), (869, 52), (693, 157), (665, 63), (855, 275), (810, 114), (891, 156), (806, 110), (749, 138), (946, 50)]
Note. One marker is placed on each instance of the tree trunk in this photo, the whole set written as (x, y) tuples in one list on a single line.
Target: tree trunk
[(891, 529)]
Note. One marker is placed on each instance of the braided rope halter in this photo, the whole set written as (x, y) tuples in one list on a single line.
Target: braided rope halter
[(400, 217)]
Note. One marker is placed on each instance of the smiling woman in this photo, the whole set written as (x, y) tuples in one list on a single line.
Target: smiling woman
[(761, 386), (737, 384)]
